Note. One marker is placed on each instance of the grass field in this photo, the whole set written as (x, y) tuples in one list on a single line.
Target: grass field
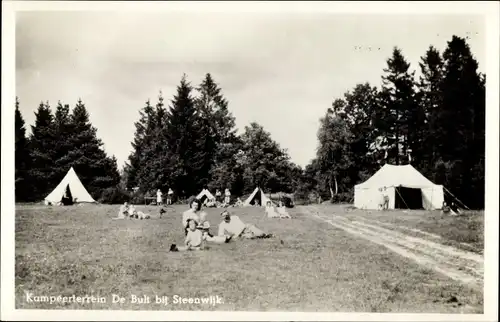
[(326, 258)]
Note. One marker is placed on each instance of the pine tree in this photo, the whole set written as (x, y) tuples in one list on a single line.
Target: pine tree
[(41, 146), (430, 96), (462, 122), (186, 146), (63, 132), (22, 158), (85, 154), (403, 116), (220, 138), (143, 129)]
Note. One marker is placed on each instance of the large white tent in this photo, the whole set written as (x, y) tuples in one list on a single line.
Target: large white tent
[(78, 191), (405, 187), (259, 195), (205, 194)]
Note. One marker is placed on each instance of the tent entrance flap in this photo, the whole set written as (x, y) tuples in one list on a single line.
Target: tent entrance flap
[(67, 198), (408, 198), (258, 197)]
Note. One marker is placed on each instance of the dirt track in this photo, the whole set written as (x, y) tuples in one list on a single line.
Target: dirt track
[(466, 267)]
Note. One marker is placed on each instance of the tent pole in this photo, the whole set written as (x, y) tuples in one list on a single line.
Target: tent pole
[(396, 189), (456, 198)]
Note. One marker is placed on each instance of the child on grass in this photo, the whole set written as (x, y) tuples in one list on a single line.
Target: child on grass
[(194, 239)]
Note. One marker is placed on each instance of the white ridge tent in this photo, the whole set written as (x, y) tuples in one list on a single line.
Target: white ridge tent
[(257, 194), (78, 191), (205, 194), (405, 186)]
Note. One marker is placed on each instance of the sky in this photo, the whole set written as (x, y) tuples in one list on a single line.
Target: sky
[(282, 71)]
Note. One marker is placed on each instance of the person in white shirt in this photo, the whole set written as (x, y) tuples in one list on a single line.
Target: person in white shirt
[(270, 211), (227, 199), (232, 226), (385, 197), (282, 211), (194, 239), (169, 196), (159, 199), (204, 226), (123, 212)]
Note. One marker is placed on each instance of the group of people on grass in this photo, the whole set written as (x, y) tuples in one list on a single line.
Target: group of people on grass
[(278, 212), (129, 211), (197, 229)]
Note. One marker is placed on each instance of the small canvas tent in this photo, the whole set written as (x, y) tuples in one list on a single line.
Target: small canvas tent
[(259, 195), (403, 184), (204, 194), (72, 184)]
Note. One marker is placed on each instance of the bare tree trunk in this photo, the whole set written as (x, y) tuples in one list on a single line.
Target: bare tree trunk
[(336, 185)]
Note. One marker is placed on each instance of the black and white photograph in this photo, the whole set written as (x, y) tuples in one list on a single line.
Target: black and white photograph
[(177, 160)]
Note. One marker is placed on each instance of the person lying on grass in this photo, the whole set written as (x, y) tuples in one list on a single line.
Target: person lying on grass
[(134, 214), (204, 226), (232, 226), (194, 239)]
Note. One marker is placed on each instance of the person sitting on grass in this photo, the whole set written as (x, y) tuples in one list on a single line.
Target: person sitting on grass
[(282, 210), (123, 212), (454, 208), (270, 211), (194, 238), (232, 226), (194, 213), (238, 202)]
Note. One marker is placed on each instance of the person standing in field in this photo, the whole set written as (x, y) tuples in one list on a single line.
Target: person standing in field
[(169, 196), (227, 199), (159, 199), (385, 199)]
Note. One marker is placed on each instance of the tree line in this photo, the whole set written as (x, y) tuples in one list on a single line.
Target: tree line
[(193, 145), (57, 142), (435, 122), (187, 146)]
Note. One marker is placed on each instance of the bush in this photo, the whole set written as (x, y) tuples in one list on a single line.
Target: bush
[(114, 195), (137, 198), (344, 197)]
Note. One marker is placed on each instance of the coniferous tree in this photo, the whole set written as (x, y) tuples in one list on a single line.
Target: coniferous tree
[(402, 117), (184, 138), (22, 158), (430, 96), (63, 132), (95, 169), (143, 129), (462, 122), (220, 140), (41, 148)]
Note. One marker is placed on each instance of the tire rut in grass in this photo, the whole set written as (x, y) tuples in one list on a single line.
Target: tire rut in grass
[(458, 265)]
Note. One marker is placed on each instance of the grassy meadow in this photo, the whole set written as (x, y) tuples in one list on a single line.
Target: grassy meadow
[(308, 266)]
